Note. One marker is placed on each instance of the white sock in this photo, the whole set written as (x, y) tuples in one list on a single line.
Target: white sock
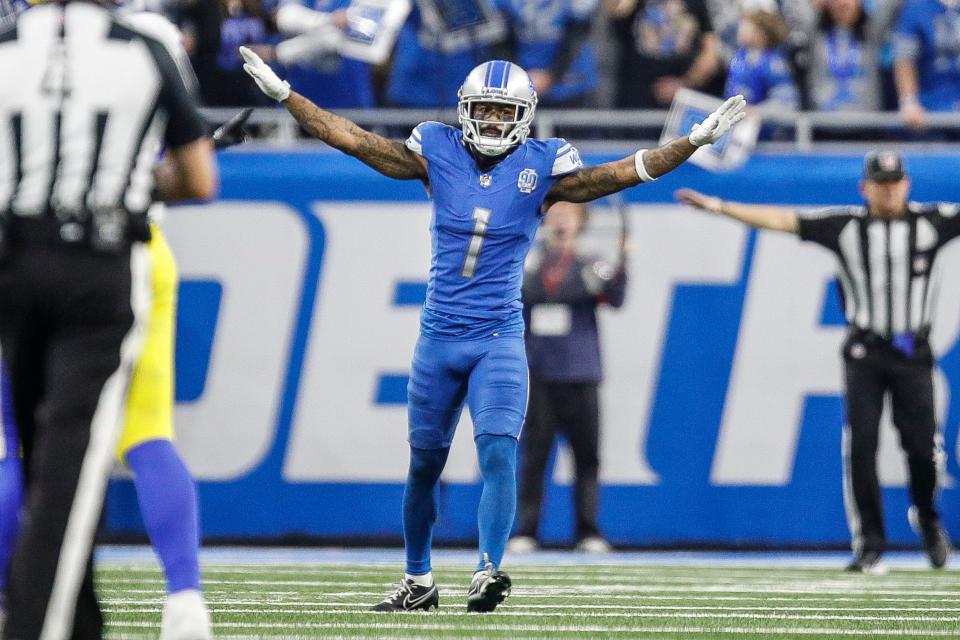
[(426, 580)]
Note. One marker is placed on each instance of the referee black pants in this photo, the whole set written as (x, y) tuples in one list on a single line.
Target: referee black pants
[(573, 409), (873, 368), (69, 338)]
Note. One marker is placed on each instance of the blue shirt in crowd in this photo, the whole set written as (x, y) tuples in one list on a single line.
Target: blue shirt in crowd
[(929, 34), (430, 61), (761, 75), (540, 26), (236, 31), (333, 81)]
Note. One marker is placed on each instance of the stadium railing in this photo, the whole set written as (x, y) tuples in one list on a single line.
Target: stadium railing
[(795, 131)]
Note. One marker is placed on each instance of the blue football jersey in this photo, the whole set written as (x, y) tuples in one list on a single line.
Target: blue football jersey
[(332, 81), (761, 75), (928, 33), (539, 27), (482, 227)]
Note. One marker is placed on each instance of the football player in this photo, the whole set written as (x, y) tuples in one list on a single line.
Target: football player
[(490, 185)]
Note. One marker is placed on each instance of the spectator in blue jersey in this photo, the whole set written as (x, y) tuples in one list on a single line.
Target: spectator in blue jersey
[(551, 41), (799, 15), (490, 185), (562, 289), (844, 57), (759, 70), (213, 31), (310, 58), (663, 45), (436, 49), (927, 59)]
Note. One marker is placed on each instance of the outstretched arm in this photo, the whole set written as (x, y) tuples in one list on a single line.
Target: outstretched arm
[(602, 180), (762, 216), (591, 183), (389, 157)]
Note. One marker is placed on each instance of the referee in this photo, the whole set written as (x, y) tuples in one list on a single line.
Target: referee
[(885, 252), (86, 104)]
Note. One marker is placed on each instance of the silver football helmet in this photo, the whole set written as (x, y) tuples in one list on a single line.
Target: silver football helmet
[(499, 82)]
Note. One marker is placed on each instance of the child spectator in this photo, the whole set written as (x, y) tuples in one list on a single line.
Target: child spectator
[(759, 70)]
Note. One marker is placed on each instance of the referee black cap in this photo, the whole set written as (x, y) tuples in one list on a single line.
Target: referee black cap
[(883, 165)]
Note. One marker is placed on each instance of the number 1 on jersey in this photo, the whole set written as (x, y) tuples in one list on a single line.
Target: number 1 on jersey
[(481, 219)]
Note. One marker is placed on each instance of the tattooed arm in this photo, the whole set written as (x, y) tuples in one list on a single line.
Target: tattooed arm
[(591, 183), (389, 157), (602, 180), (392, 159)]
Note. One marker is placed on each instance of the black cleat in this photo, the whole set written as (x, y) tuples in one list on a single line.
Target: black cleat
[(937, 545), (936, 542), (869, 562), (488, 589), (410, 597)]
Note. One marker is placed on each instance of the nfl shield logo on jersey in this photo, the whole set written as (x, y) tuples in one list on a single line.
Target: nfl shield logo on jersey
[(527, 181)]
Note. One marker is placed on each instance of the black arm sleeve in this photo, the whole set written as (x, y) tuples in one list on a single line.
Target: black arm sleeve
[(823, 227), (699, 10), (185, 124), (949, 221), (574, 37), (615, 291), (506, 48)]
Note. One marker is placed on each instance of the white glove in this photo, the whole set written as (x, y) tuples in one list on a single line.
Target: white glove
[(268, 81), (719, 122)]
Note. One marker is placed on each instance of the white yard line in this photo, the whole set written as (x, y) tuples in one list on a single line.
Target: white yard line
[(571, 586), (639, 570), (638, 601), (590, 572), (406, 626), (134, 606), (596, 594), (507, 612)]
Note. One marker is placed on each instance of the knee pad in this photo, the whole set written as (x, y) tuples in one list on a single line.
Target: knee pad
[(427, 464), (496, 454)]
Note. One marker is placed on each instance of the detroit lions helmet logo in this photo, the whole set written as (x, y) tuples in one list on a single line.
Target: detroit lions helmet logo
[(527, 181)]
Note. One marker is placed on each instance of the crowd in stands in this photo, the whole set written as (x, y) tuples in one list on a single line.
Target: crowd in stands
[(833, 55)]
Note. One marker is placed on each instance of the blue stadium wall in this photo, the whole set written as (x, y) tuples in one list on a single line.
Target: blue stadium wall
[(722, 405)]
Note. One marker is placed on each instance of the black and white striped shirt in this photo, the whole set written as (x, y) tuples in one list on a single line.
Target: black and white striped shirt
[(86, 104), (887, 268)]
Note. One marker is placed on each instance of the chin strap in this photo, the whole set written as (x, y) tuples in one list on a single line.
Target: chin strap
[(484, 161)]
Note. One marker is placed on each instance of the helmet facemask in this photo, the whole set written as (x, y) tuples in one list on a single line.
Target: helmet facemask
[(496, 83), (511, 131)]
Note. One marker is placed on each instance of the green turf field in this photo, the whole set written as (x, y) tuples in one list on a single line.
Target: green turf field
[(615, 600)]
